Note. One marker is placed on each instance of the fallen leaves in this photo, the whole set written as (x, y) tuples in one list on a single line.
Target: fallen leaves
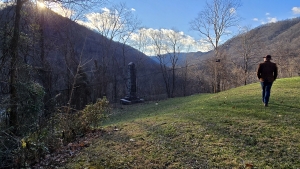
[(62, 154)]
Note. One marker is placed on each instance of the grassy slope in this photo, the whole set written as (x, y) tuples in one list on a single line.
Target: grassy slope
[(231, 129)]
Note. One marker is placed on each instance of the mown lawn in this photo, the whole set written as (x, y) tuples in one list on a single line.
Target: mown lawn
[(230, 129)]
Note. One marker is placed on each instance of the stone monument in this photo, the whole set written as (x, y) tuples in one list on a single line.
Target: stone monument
[(131, 96)]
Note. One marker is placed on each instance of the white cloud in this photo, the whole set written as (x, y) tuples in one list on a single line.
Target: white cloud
[(60, 9), (101, 21), (2, 5), (296, 10), (272, 20), (5, 4), (188, 44), (105, 9), (108, 19), (86, 24), (268, 19)]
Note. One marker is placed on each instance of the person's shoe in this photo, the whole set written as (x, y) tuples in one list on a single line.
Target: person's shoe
[(266, 105)]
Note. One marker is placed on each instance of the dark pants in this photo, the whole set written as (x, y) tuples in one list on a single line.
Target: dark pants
[(266, 91)]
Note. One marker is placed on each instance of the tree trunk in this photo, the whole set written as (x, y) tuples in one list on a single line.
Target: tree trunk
[(13, 52)]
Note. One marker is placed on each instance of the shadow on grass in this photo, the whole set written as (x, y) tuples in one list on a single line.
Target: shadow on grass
[(255, 139), (285, 106)]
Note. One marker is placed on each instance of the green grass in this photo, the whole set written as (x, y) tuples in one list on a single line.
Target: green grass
[(230, 129)]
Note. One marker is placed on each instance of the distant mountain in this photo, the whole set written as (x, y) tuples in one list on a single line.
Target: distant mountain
[(270, 36), (280, 39), (184, 57)]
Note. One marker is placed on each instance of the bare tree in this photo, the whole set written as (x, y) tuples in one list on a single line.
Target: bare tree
[(247, 48), (116, 24), (140, 41), (13, 53), (167, 46), (159, 48), (174, 47), (213, 22), (286, 58), (185, 74), (150, 80)]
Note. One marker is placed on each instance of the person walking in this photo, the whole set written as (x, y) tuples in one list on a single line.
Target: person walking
[(267, 73)]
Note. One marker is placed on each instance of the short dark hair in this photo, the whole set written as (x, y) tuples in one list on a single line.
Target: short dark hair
[(268, 57)]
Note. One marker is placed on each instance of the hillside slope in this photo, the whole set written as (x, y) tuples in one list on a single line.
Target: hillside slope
[(229, 129), (54, 47), (280, 39)]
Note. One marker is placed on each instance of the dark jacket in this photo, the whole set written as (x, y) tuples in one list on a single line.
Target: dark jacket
[(267, 71)]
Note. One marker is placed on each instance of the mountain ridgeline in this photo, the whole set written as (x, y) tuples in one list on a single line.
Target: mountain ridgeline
[(239, 56)]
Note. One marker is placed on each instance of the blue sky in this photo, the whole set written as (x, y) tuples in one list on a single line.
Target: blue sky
[(169, 14)]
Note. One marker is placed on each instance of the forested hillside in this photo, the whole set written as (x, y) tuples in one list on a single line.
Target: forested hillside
[(241, 54), (56, 48)]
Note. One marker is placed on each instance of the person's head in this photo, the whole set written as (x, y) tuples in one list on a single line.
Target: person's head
[(267, 58)]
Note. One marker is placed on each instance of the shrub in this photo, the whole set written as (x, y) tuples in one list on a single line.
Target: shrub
[(93, 114), (78, 122)]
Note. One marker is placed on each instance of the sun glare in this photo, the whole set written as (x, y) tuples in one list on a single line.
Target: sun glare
[(41, 5)]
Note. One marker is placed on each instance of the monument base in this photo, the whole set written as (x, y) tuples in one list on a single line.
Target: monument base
[(127, 100)]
